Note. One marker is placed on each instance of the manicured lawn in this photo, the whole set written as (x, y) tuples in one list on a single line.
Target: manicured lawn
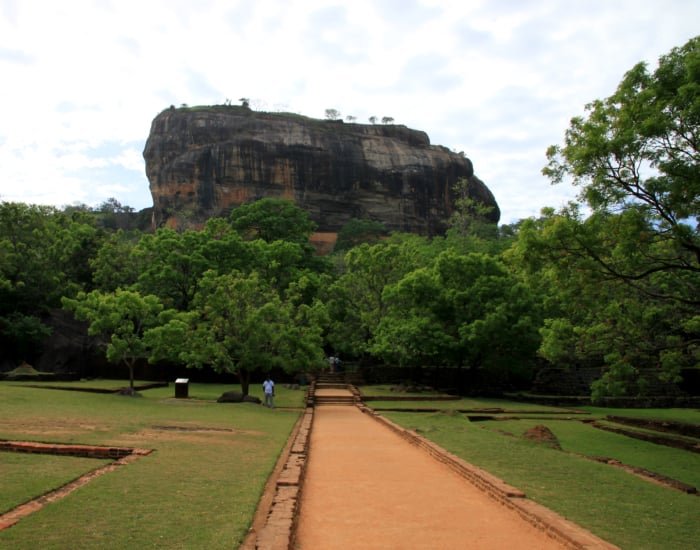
[(617, 506), (27, 476), (200, 486), (198, 489)]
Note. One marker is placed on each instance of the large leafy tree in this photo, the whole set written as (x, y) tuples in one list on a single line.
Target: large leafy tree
[(273, 220), (463, 311), (637, 153), (113, 265), (171, 265), (44, 254), (635, 157), (593, 318), (122, 318), (355, 301), (239, 324)]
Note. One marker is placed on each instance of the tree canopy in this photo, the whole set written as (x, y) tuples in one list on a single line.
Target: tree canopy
[(637, 155)]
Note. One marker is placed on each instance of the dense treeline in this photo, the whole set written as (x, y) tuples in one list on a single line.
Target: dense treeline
[(616, 288)]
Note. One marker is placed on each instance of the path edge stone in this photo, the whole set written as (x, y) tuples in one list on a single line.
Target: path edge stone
[(556, 526), (281, 512)]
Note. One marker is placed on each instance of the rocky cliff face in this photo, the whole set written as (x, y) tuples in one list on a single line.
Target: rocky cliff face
[(203, 162)]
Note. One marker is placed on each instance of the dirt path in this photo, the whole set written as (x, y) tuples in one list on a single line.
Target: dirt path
[(366, 487)]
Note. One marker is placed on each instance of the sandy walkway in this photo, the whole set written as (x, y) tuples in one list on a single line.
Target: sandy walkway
[(367, 488)]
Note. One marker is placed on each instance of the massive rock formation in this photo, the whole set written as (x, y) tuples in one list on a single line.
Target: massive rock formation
[(203, 161)]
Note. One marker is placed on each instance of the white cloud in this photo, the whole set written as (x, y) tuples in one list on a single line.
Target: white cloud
[(500, 80)]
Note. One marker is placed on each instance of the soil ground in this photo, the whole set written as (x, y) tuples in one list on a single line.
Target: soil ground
[(366, 487)]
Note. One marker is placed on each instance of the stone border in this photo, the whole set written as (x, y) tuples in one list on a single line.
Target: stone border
[(120, 455), (568, 533), (280, 522)]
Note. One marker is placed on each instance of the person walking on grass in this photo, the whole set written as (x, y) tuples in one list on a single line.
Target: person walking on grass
[(269, 389)]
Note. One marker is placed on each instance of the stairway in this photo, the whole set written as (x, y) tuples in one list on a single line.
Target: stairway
[(334, 400), (324, 394)]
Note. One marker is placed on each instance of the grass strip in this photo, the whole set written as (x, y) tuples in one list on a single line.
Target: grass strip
[(27, 476), (198, 489)]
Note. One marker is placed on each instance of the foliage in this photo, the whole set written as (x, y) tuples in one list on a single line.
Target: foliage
[(170, 265), (240, 324), (122, 318), (635, 157), (358, 231), (113, 265), (44, 254), (595, 319), (272, 220), (637, 154), (355, 302), (462, 311), (470, 229), (21, 335)]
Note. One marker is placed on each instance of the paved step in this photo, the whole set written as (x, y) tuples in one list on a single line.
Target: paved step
[(334, 400), (332, 386)]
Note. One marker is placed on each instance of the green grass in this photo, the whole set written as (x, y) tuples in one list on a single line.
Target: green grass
[(587, 440), (616, 505), (198, 489), (200, 486), (28, 476), (452, 404)]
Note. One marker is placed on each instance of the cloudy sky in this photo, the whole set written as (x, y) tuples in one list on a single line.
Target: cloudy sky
[(498, 79)]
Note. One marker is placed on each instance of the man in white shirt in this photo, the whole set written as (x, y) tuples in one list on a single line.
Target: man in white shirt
[(269, 389)]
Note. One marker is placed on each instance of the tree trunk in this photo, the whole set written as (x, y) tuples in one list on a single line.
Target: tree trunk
[(130, 364), (244, 377)]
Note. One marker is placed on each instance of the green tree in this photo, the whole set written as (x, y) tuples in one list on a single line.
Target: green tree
[(355, 301), (358, 231), (21, 336), (122, 318), (595, 319), (44, 254), (635, 157), (113, 266), (239, 324), (470, 226), (272, 220), (464, 311), (636, 153), (171, 265)]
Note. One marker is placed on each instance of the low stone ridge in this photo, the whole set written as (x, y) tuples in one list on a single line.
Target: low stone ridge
[(202, 162)]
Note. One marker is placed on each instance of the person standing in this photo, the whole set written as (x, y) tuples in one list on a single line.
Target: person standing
[(269, 389)]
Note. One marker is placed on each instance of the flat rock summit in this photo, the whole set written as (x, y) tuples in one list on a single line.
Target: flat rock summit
[(202, 162)]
